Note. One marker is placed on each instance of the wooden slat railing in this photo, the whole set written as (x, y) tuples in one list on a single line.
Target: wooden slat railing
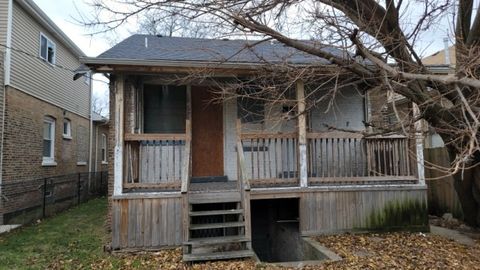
[(347, 157), (271, 158), (155, 160)]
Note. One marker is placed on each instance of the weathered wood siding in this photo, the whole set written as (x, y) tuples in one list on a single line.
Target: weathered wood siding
[(146, 222), (383, 208), (442, 197), (37, 77)]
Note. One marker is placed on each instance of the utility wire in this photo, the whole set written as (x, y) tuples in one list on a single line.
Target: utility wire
[(56, 65)]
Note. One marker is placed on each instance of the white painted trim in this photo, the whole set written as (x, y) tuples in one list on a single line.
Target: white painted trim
[(51, 158), (46, 53), (118, 150), (49, 163), (81, 163)]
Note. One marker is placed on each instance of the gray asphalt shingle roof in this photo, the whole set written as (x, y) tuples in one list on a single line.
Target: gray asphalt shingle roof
[(209, 50)]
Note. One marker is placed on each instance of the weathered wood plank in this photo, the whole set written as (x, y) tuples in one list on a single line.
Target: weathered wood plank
[(155, 136)]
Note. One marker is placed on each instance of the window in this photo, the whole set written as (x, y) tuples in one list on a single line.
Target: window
[(48, 141), (67, 129), (251, 110), (104, 148), (165, 109), (47, 49)]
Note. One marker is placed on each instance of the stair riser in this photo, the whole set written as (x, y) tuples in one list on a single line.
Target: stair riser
[(217, 248)]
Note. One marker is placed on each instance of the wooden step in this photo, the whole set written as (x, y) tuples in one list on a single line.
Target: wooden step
[(216, 225), (221, 197), (218, 255), (217, 240), (216, 212)]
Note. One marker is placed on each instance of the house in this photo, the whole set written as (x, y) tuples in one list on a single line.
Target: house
[(45, 123), (219, 180)]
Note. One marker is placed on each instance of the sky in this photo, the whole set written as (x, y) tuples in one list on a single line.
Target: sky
[(65, 12)]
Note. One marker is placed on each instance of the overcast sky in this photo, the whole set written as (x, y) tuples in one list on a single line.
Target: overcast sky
[(64, 12)]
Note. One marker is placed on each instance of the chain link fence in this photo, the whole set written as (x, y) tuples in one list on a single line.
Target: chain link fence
[(26, 201)]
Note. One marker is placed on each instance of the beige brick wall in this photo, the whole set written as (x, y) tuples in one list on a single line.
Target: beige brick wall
[(23, 140)]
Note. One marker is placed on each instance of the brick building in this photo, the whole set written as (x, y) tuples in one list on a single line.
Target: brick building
[(45, 123)]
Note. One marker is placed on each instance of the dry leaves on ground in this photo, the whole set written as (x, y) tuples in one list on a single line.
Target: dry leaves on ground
[(359, 251)]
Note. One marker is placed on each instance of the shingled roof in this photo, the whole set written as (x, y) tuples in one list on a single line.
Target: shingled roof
[(159, 48)]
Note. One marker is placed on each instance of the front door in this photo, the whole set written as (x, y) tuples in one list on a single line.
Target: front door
[(207, 134)]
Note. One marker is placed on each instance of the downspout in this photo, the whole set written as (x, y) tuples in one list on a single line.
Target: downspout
[(91, 130), (96, 148)]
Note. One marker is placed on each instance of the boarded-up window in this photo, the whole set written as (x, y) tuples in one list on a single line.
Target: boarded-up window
[(164, 109)]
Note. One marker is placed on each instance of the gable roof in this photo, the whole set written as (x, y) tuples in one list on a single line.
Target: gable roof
[(151, 50)]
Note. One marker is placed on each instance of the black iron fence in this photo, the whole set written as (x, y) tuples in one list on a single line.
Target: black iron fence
[(26, 201)]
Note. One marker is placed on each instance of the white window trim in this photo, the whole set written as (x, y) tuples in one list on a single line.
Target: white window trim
[(68, 135), (81, 163), (49, 161), (40, 49), (104, 149)]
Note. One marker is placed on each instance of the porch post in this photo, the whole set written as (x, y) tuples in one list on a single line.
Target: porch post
[(118, 150), (419, 146), (302, 134)]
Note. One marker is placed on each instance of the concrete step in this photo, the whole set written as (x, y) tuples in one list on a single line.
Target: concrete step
[(217, 240), (216, 212), (216, 225), (218, 255)]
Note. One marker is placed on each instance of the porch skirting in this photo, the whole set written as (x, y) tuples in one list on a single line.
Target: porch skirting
[(155, 221)]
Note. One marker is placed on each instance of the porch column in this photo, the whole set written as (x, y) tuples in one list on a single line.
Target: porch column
[(302, 134), (118, 150), (419, 146)]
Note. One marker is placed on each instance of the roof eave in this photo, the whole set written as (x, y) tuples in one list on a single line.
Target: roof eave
[(95, 61)]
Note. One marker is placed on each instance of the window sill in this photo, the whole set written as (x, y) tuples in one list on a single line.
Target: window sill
[(49, 163), (81, 163), (67, 137), (104, 162)]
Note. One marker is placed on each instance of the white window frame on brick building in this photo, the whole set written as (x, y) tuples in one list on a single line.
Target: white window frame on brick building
[(48, 137), (47, 49), (67, 129), (104, 148)]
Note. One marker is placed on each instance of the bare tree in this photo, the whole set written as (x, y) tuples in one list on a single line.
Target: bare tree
[(100, 104), (384, 35)]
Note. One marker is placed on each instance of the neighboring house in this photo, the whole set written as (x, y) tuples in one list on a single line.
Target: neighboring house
[(219, 179), (100, 143), (44, 114)]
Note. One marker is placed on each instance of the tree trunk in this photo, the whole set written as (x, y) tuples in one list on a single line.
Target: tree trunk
[(467, 186)]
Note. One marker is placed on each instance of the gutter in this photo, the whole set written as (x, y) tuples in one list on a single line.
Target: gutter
[(179, 63)]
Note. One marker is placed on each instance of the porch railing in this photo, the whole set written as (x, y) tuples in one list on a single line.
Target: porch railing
[(271, 158), (347, 157), (154, 161)]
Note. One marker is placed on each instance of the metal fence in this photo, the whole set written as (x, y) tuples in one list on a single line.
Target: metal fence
[(26, 201)]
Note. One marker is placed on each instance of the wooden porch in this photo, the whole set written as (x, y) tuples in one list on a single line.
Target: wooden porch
[(154, 171)]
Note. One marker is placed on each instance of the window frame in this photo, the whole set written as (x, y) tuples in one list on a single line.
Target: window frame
[(67, 135), (103, 148), (53, 45), (49, 160)]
